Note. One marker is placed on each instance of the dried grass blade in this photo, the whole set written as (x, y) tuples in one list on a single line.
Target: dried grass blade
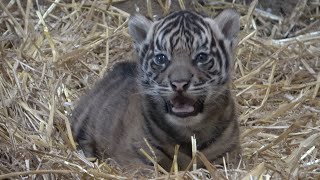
[(149, 8), (215, 174), (27, 16), (301, 38), (293, 160), (49, 10), (285, 107), (25, 173), (182, 6), (69, 131), (154, 156), (15, 22), (175, 166), (285, 134), (97, 174), (256, 173), (49, 38), (153, 161), (316, 89), (194, 151), (252, 7), (254, 72)]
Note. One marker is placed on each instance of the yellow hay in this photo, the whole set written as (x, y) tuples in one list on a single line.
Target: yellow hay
[(51, 52)]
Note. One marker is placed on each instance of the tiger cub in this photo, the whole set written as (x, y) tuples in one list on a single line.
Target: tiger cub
[(178, 87)]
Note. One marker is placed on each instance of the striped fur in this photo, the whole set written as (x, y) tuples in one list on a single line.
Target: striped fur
[(178, 88)]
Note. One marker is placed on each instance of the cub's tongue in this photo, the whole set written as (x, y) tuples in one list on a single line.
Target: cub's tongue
[(184, 108), (182, 105)]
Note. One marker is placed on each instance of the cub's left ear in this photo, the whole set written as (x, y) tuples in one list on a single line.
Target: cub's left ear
[(228, 21), (138, 29)]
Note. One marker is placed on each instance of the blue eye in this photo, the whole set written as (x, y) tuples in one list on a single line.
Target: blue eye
[(202, 58), (160, 59)]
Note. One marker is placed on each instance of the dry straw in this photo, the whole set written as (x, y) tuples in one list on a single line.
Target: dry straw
[(52, 51)]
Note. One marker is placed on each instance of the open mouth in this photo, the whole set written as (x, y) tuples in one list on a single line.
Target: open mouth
[(183, 106)]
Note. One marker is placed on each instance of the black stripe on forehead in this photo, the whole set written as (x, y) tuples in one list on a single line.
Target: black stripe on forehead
[(186, 23), (168, 29), (196, 25), (170, 17), (174, 41), (164, 29), (181, 13)]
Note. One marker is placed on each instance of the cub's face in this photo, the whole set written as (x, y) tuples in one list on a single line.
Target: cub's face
[(185, 61)]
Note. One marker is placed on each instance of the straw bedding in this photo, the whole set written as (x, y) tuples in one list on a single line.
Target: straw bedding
[(51, 52)]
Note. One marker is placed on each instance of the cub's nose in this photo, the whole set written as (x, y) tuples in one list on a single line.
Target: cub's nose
[(180, 85)]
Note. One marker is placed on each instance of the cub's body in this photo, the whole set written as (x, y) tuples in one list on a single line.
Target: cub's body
[(167, 96), (107, 126)]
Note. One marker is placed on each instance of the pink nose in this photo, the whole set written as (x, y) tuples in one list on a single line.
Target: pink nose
[(180, 85)]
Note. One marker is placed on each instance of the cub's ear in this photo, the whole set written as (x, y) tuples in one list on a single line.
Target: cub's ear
[(138, 29), (228, 21)]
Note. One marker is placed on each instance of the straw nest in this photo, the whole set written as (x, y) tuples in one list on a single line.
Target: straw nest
[(51, 53)]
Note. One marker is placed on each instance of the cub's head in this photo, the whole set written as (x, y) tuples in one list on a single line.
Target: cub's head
[(185, 60)]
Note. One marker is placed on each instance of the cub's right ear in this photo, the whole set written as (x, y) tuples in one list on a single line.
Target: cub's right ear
[(138, 29)]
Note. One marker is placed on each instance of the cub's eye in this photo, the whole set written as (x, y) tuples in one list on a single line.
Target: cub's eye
[(202, 58), (160, 59)]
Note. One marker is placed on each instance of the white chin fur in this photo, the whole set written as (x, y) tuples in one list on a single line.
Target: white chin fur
[(184, 121), (184, 109)]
